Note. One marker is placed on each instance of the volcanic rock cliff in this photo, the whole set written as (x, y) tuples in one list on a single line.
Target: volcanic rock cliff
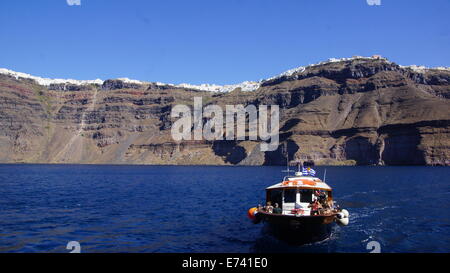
[(366, 111)]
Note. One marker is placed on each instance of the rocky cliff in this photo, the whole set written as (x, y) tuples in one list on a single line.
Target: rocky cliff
[(355, 111)]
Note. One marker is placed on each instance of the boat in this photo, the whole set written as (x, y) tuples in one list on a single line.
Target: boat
[(300, 209)]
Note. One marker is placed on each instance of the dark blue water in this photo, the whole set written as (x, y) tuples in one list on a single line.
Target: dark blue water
[(203, 209)]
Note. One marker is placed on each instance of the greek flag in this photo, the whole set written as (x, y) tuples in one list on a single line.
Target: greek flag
[(312, 172), (305, 172)]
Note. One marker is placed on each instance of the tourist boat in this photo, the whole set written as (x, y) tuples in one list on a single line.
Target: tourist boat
[(297, 218)]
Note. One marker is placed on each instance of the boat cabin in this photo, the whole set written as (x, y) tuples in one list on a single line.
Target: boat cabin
[(295, 194)]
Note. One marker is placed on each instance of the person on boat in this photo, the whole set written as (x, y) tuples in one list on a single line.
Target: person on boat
[(330, 204), (260, 207), (327, 207), (320, 195), (269, 207), (277, 209), (326, 204), (337, 207), (315, 207)]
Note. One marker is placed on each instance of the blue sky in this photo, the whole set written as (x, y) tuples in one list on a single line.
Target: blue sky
[(214, 41)]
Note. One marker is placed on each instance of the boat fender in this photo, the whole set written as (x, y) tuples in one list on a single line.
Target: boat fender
[(342, 217), (254, 215), (345, 212), (343, 221), (251, 213)]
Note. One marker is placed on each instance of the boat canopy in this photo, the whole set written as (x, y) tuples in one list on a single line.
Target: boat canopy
[(302, 182)]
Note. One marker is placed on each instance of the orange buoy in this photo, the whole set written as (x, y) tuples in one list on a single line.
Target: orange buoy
[(251, 213)]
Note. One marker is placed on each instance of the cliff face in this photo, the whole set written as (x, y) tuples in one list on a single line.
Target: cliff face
[(358, 111)]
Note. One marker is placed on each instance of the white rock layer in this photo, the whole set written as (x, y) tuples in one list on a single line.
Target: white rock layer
[(245, 86)]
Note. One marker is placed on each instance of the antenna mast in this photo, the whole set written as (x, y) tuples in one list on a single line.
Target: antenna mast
[(287, 159), (287, 155)]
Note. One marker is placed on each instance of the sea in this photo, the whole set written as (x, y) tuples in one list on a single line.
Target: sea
[(172, 209)]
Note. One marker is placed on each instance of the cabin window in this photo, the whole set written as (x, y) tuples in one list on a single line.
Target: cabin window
[(290, 196), (276, 197), (306, 196)]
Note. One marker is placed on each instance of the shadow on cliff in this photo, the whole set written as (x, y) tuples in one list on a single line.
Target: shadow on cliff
[(278, 157), (362, 151), (230, 150), (402, 146)]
